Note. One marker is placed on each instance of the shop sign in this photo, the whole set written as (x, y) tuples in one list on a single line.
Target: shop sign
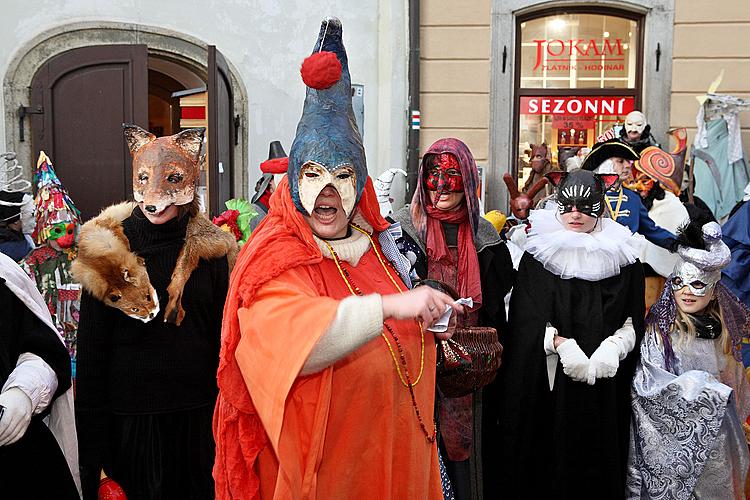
[(573, 121), (580, 55), (587, 106)]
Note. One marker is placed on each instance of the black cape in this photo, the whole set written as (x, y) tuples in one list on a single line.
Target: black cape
[(34, 466), (571, 442)]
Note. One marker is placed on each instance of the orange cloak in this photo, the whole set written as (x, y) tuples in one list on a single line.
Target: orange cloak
[(349, 431)]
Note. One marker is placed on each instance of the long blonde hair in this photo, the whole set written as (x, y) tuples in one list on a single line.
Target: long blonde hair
[(684, 326)]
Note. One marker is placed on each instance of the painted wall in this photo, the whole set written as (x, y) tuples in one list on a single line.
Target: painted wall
[(710, 37), (266, 41), (455, 73)]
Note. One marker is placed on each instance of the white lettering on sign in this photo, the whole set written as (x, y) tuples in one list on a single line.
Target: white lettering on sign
[(577, 105)]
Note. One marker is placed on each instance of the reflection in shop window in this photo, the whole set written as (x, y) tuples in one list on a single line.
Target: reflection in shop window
[(568, 57), (579, 51)]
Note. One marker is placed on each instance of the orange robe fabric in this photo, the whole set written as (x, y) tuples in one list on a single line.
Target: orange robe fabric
[(349, 431)]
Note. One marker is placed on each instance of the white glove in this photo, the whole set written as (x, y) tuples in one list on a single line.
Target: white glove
[(606, 359), (16, 415), (574, 361)]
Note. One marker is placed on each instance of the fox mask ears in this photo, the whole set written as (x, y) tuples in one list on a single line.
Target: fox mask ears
[(556, 177), (190, 140), (136, 137), (608, 180)]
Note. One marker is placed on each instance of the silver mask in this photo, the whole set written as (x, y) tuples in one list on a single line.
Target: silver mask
[(698, 269), (700, 282)]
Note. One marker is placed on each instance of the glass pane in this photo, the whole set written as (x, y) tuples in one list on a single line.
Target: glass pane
[(579, 51), (567, 125)]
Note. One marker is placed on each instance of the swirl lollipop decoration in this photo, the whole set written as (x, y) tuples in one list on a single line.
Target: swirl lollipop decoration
[(660, 166)]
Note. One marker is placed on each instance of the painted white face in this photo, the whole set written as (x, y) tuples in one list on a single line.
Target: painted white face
[(313, 177), (635, 123)]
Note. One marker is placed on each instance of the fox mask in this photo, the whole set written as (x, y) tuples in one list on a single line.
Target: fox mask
[(165, 169)]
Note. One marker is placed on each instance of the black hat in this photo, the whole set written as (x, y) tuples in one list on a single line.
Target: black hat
[(269, 167), (603, 151), (276, 150), (10, 206)]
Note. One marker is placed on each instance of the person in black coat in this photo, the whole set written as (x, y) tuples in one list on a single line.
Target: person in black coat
[(447, 240), (34, 372), (575, 324)]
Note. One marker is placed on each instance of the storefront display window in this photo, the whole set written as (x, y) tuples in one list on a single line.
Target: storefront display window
[(579, 75)]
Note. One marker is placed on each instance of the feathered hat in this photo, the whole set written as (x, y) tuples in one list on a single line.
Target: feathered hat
[(327, 133), (53, 205)]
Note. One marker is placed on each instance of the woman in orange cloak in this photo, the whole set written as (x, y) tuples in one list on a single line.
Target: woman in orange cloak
[(326, 374)]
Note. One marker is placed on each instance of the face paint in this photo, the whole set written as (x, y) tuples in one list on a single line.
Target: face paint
[(699, 282), (63, 233), (313, 177), (444, 176), (635, 123)]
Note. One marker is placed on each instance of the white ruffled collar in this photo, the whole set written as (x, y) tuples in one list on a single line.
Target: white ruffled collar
[(349, 249), (588, 256)]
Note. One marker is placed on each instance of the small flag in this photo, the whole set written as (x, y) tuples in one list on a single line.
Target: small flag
[(415, 119)]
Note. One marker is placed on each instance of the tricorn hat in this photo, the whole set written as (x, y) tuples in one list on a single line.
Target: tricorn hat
[(605, 150)]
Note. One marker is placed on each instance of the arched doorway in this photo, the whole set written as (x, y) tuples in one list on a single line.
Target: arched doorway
[(82, 93)]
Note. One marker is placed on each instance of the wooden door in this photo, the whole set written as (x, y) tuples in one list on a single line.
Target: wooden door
[(220, 162), (86, 95)]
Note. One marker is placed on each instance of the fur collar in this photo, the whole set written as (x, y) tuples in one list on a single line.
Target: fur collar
[(107, 268)]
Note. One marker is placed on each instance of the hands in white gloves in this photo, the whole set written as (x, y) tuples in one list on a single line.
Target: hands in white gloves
[(604, 362), (575, 362), (16, 415), (606, 359)]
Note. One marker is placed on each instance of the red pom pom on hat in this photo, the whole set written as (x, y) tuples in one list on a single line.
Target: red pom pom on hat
[(321, 70)]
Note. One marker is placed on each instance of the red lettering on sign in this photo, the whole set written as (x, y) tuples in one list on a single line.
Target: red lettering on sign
[(548, 53)]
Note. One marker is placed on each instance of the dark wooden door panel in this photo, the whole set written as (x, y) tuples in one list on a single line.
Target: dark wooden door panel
[(220, 132), (87, 94)]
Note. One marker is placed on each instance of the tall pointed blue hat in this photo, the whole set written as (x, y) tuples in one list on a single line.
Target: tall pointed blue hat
[(327, 148)]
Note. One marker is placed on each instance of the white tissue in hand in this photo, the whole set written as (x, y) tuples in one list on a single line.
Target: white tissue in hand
[(441, 324)]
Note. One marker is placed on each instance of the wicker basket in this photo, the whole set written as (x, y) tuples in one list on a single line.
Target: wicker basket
[(482, 345)]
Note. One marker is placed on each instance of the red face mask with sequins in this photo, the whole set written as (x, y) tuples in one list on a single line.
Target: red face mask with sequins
[(445, 175)]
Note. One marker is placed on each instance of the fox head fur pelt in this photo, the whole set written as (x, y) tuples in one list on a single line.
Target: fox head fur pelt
[(111, 272), (108, 270)]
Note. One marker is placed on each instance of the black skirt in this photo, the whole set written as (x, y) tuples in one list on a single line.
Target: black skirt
[(34, 467), (165, 455)]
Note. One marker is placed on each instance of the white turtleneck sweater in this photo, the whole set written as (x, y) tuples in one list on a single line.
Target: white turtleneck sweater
[(358, 319)]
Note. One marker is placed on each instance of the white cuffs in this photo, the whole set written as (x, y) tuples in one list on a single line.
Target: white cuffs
[(358, 320), (35, 378), (624, 338), (549, 340)]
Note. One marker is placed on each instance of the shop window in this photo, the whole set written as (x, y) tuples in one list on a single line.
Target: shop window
[(579, 75)]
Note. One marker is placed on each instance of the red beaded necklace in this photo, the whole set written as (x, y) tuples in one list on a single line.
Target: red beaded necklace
[(354, 289)]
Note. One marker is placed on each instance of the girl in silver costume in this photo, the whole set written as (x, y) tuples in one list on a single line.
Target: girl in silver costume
[(691, 396)]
